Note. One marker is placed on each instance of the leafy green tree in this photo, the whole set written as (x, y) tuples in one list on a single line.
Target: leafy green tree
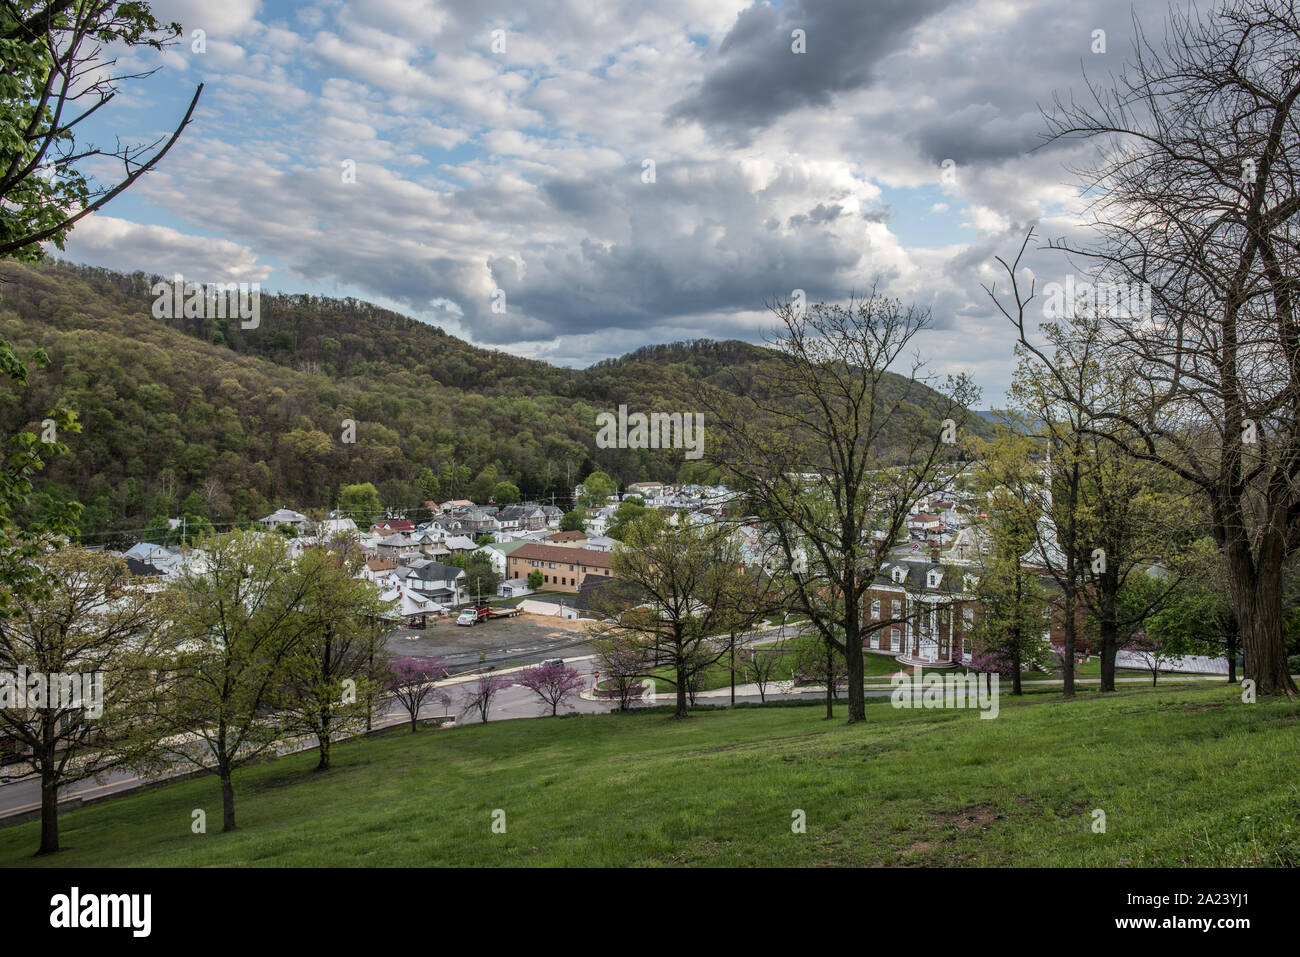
[(687, 574), (595, 490), (360, 503), (428, 484), (56, 74), (71, 630), (334, 674), (481, 578), (631, 509), (573, 521), (505, 493), (535, 579), (1013, 606), (237, 623)]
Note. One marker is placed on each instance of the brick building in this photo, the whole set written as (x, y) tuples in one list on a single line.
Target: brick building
[(563, 567)]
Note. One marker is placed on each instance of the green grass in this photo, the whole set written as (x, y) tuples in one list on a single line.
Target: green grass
[(1186, 776)]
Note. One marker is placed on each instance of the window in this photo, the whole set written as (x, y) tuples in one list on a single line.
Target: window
[(875, 608), (965, 646), (875, 639), (893, 639), (895, 608), (968, 617)]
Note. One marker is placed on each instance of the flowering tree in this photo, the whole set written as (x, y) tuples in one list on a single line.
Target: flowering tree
[(410, 681), (480, 695), (625, 666), (1150, 650), (553, 682), (994, 661)]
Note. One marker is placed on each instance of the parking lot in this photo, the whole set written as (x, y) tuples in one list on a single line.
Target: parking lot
[(503, 642)]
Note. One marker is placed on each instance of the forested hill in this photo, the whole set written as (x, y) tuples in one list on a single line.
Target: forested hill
[(200, 417)]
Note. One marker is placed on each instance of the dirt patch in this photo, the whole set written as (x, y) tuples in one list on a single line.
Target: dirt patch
[(977, 817)]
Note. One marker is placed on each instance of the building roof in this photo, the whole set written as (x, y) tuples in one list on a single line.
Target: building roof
[(434, 572), (567, 537), (562, 553), (506, 548), (284, 516)]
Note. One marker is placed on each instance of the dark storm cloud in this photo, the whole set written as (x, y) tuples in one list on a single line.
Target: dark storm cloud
[(756, 77)]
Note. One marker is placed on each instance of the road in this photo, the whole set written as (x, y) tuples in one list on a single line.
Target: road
[(513, 702)]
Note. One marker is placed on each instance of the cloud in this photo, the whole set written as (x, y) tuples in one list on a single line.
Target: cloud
[(127, 247), (757, 75)]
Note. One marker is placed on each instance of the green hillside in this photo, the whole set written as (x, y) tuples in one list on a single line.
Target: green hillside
[(201, 417), (1185, 776)]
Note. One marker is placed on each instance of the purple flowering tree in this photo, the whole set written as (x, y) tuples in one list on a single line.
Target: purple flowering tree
[(480, 695), (553, 683), (410, 681)]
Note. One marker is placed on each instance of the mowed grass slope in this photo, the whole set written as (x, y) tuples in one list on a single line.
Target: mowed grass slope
[(1185, 777)]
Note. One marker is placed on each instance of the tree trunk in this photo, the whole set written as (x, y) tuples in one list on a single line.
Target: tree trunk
[(855, 666), (49, 810), (1068, 673), (1260, 613), (733, 669), (1257, 600), (324, 763), (1230, 644), (1107, 646), (227, 797)]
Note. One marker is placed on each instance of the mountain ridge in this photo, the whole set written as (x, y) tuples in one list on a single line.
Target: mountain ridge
[(199, 417)]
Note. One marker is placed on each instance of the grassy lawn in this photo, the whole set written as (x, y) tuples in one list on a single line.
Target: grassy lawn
[(1186, 776)]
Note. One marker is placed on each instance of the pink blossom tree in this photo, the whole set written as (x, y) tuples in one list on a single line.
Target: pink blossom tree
[(552, 682), (410, 681), (480, 695)]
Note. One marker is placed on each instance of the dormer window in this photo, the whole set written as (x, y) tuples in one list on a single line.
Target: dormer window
[(898, 574), (933, 577), (969, 582)]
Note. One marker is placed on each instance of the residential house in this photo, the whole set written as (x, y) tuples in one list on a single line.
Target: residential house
[(398, 548), (285, 516), (393, 526), (444, 584), (459, 544), (567, 539)]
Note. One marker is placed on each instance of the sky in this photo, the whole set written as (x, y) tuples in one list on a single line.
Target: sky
[(569, 180)]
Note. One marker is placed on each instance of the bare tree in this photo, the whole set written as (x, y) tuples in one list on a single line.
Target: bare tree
[(1197, 205), (833, 449), (759, 665)]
